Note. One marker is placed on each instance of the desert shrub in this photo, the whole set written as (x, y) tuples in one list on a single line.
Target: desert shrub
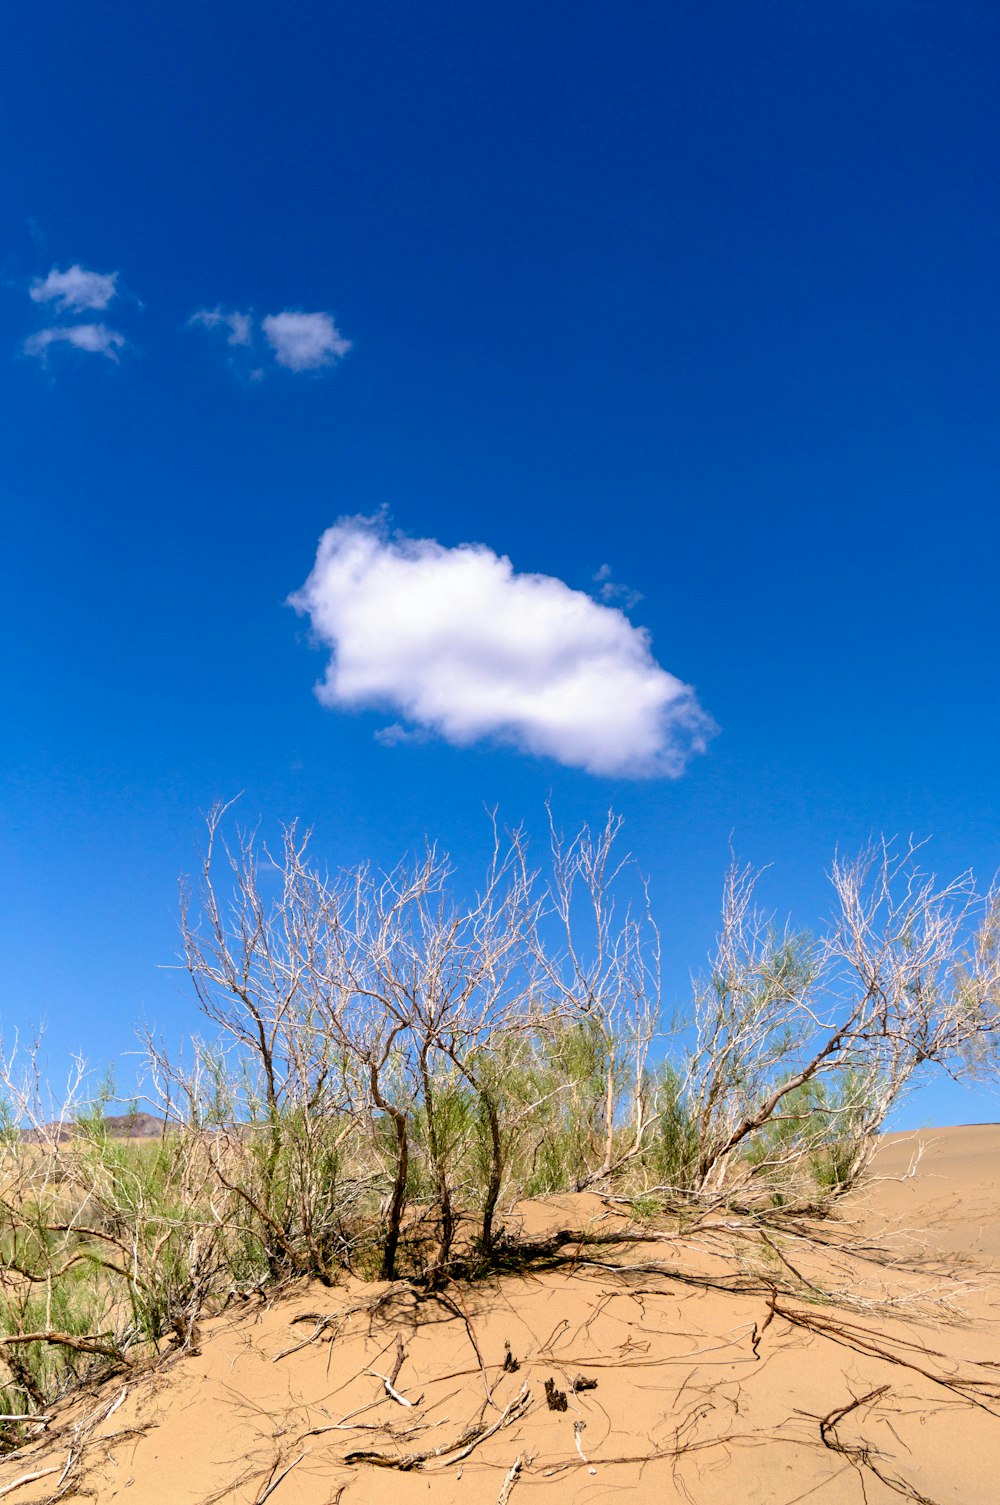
[(501, 1045), (905, 974), (565, 1088), (396, 1062), (672, 1154), (70, 1302)]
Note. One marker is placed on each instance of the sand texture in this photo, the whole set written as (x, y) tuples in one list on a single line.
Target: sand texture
[(857, 1362)]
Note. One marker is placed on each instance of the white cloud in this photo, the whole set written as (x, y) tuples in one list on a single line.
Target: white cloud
[(75, 290), (396, 735), (238, 327), (461, 645), (611, 591), (304, 342), (98, 339)]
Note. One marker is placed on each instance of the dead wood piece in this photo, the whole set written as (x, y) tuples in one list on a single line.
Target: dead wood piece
[(581, 1383), (510, 1365), (828, 1425), (849, 1335), (453, 1451), (41, 1473), (65, 1340), (322, 1324), (391, 1391), (106, 1415), (555, 1398), (325, 1320), (862, 1455), (276, 1479), (758, 1332), (579, 1427), (510, 1478), (71, 1459), (400, 1359)]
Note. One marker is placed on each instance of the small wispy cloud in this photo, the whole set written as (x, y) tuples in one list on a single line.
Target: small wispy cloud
[(76, 290), (304, 342), (297, 341), (398, 735), (238, 327), (96, 339), (612, 592), (461, 645)]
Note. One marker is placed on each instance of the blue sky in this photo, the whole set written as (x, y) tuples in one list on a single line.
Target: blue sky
[(696, 301)]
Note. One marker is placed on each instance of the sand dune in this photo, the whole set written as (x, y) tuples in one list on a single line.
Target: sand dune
[(710, 1364)]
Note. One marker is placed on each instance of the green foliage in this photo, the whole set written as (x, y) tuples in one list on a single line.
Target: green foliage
[(70, 1302), (133, 1238), (778, 1141), (562, 1088), (843, 1151), (395, 1070), (818, 1132), (673, 1147)]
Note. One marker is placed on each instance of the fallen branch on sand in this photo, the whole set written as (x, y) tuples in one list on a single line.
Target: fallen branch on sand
[(453, 1451), (325, 1320), (389, 1380), (510, 1478), (81, 1438), (40, 1473), (860, 1454), (976, 1391), (276, 1479), (391, 1391), (828, 1425), (65, 1340)]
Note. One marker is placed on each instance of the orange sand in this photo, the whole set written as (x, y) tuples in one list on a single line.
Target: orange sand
[(709, 1389)]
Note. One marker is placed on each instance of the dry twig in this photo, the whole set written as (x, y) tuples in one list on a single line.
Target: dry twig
[(511, 1477), (454, 1451)]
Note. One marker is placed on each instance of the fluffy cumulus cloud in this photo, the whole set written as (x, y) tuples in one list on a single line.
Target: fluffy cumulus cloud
[(76, 290), (96, 339), (304, 342), (460, 645)]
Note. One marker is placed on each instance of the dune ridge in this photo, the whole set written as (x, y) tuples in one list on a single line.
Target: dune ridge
[(851, 1360)]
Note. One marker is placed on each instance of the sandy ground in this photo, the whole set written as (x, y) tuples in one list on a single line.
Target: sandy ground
[(858, 1365)]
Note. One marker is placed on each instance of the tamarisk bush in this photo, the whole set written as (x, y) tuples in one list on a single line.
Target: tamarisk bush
[(802, 1045), (404, 1055), (393, 1060)]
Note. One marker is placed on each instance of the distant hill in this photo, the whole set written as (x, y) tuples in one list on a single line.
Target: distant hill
[(118, 1125), (134, 1125)]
